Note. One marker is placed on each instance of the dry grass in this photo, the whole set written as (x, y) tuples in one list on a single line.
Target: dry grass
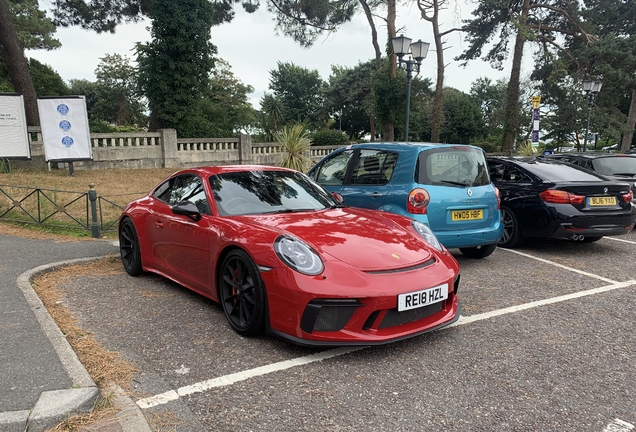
[(62, 200), (105, 367), (107, 182)]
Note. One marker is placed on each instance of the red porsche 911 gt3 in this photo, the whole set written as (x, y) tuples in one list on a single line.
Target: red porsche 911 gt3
[(283, 256)]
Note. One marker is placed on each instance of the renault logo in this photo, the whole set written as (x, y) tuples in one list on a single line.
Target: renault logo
[(469, 192), (605, 191)]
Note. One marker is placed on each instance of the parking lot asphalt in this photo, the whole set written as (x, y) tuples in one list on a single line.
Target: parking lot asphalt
[(41, 378), (545, 342)]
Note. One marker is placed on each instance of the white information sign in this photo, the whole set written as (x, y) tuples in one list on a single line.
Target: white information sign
[(14, 138), (65, 130)]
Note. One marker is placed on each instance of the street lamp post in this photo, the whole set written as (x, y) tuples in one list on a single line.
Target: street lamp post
[(591, 89), (417, 52)]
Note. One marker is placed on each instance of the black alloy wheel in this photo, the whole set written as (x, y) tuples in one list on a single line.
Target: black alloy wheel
[(512, 234), (242, 294), (129, 248)]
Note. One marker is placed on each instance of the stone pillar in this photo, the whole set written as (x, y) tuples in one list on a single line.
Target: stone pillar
[(245, 149), (169, 148)]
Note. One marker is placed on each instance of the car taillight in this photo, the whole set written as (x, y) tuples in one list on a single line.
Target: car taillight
[(417, 201), (498, 198), (560, 197), (629, 197)]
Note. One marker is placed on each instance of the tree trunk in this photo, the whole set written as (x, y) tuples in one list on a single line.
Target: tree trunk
[(17, 66), (374, 34), (631, 124), (438, 99), (378, 57), (511, 123), (389, 127)]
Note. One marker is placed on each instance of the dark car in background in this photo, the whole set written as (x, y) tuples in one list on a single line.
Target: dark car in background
[(547, 198), (444, 186), (615, 166)]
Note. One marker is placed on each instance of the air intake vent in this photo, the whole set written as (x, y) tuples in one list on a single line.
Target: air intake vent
[(328, 314), (395, 318)]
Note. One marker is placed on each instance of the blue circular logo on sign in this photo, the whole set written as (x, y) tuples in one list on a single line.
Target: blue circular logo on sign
[(65, 125), (62, 109), (67, 141)]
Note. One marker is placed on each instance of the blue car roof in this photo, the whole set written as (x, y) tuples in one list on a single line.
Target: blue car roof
[(405, 146)]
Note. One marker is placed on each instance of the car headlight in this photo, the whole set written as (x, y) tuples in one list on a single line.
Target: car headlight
[(297, 255), (427, 234)]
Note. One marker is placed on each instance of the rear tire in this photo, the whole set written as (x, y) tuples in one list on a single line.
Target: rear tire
[(129, 248), (479, 251), (512, 233)]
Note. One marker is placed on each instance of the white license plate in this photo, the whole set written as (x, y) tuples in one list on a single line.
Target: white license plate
[(417, 299)]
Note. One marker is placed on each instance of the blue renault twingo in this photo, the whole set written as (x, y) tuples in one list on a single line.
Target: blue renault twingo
[(445, 186)]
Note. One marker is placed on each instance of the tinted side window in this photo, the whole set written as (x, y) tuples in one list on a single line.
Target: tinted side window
[(187, 187), (164, 191), (374, 167), (496, 170), (513, 175), (333, 170)]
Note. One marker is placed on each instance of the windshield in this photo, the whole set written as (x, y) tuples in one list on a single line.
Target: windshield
[(616, 166), (454, 166), (259, 192)]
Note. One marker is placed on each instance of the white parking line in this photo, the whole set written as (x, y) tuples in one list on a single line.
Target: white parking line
[(486, 315), (618, 425), (572, 269), (621, 240), (172, 395)]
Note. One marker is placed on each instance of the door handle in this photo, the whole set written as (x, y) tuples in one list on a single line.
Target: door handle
[(375, 195), (159, 223)]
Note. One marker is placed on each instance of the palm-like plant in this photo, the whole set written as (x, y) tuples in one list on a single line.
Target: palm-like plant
[(295, 142)]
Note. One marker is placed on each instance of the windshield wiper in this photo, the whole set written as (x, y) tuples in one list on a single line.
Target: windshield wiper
[(625, 174), (458, 183), (288, 210)]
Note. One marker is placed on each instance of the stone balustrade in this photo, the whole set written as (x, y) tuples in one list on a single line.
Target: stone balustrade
[(164, 149)]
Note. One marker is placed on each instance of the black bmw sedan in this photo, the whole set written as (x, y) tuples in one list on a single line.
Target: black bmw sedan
[(553, 199)]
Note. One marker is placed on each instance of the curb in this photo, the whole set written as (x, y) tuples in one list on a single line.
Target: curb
[(54, 406)]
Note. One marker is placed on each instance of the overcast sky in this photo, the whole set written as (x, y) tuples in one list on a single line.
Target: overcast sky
[(249, 44)]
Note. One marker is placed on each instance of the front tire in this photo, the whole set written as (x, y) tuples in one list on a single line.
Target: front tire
[(512, 233), (242, 294), (129, 248), (479, 251)]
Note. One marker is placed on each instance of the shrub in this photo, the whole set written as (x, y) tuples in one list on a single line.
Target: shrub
[(295, 142), (328, 137)]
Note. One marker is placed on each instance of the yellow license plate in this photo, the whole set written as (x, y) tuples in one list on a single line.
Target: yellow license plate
[(602, 201), (462, 215)]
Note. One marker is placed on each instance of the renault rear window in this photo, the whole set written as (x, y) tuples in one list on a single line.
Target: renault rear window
[(452, 166)]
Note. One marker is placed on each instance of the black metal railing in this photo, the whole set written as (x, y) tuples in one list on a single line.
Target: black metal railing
[(63, 209)]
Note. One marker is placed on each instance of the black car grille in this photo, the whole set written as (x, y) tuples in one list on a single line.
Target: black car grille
[(394, 318)]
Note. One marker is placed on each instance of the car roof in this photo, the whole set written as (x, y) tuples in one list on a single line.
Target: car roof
[(223, 169), (534, 165), (591, 155), (406, 145)]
